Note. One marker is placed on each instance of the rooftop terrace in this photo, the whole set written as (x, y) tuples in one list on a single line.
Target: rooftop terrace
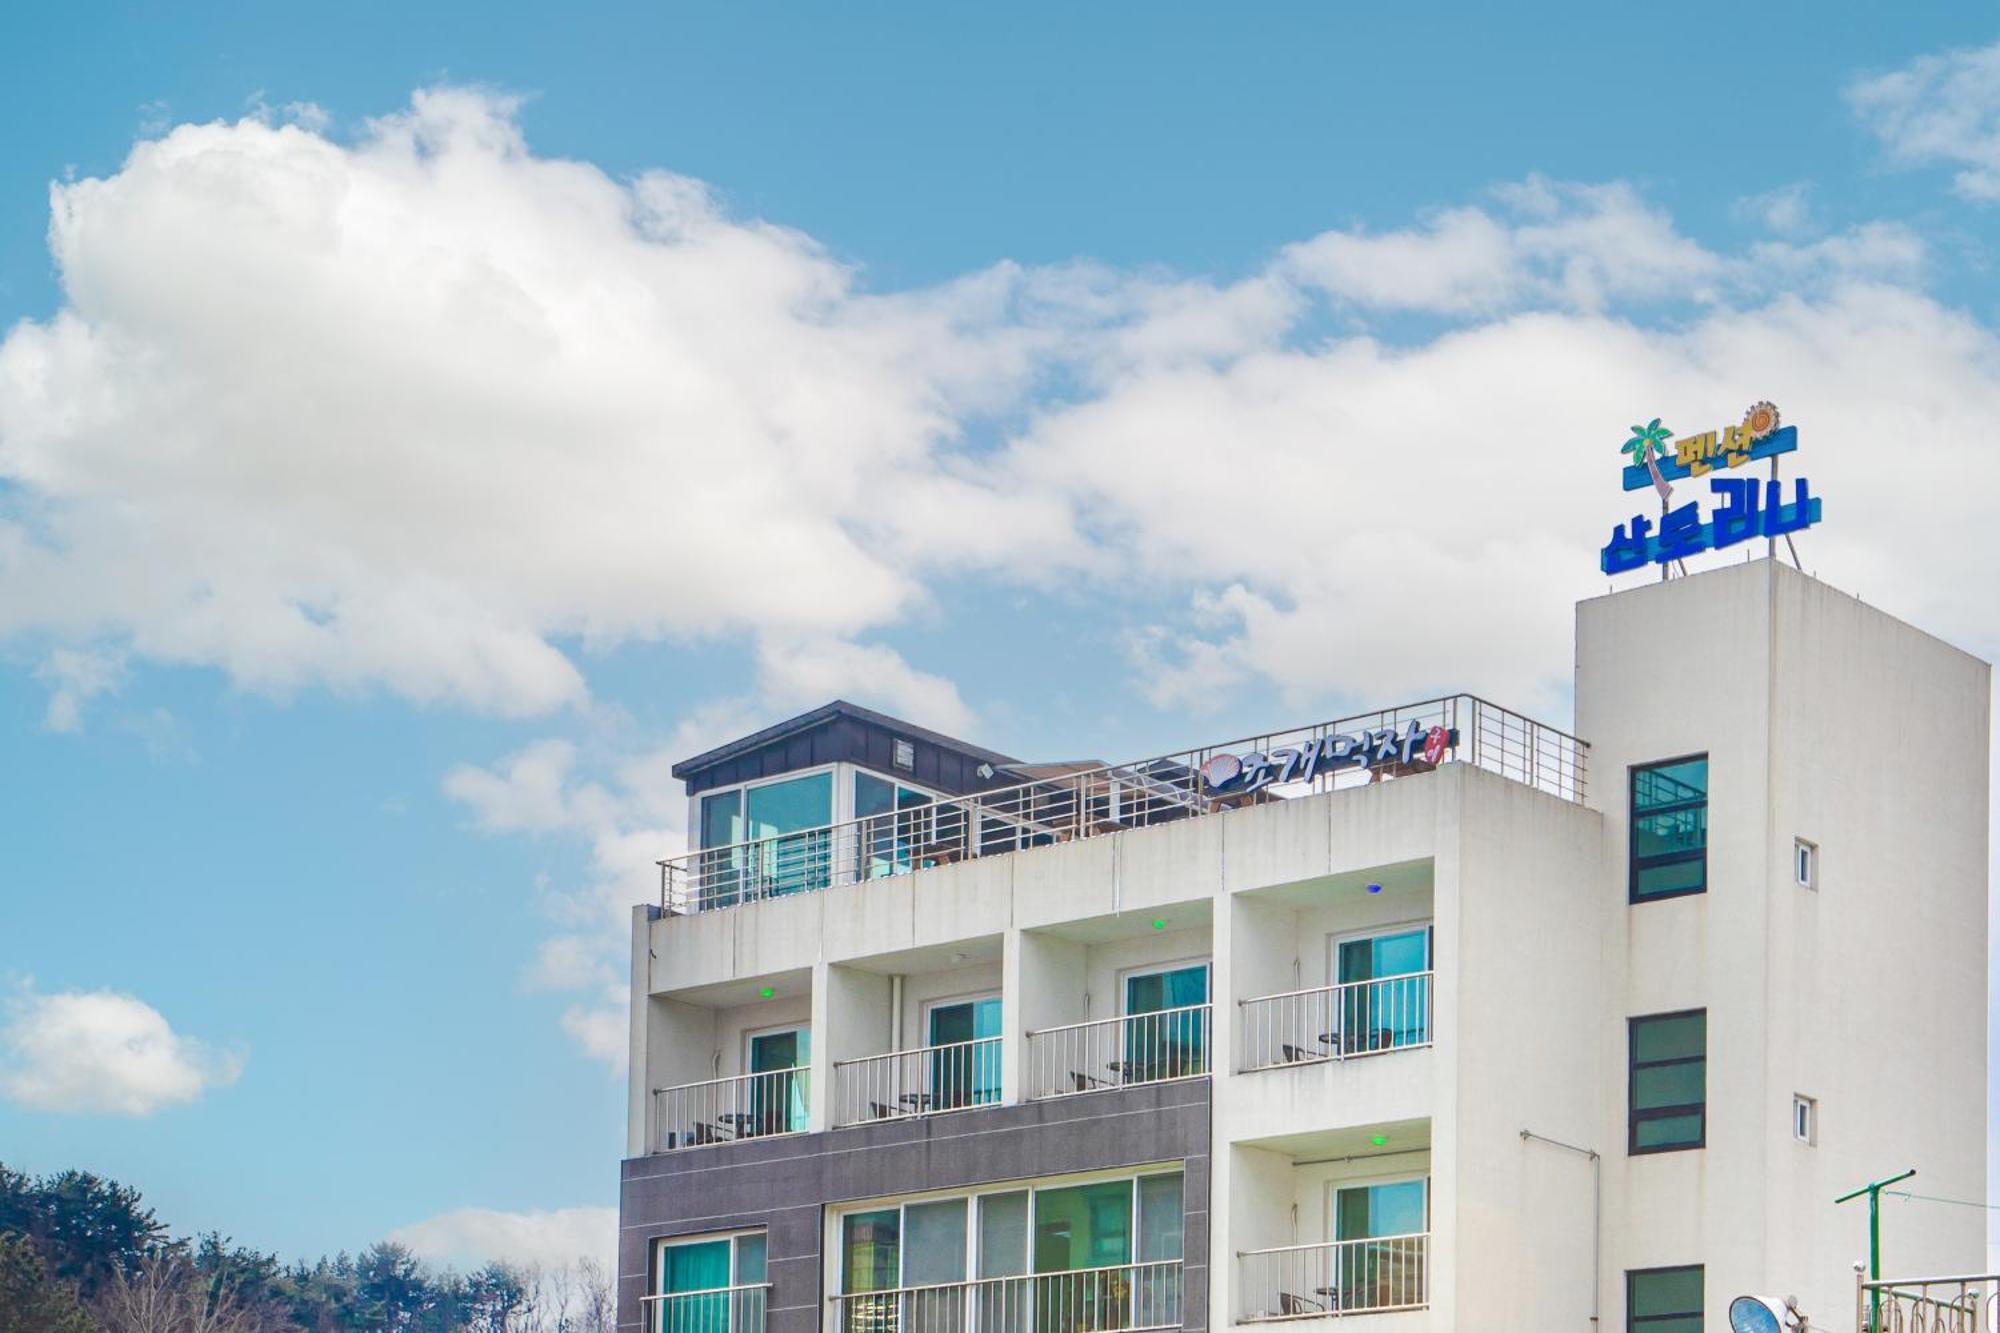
[(1066, 802)]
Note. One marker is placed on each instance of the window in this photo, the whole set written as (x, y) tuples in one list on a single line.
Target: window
[(1669, 1082), (1669, 829), (1805, 1118), (1663, 1300), (712, 1283), (1805, 863), (1165, 1037)]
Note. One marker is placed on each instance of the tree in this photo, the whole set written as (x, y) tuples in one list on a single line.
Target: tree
[(85, 1227), (30, 1302)]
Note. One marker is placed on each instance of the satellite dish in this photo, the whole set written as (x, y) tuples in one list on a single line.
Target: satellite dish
[(1761, 1314)]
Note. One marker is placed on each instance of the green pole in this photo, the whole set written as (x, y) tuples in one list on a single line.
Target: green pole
[(1874, 1192)]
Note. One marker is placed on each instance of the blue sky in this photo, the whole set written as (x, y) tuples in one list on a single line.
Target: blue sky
[(1075, 373)]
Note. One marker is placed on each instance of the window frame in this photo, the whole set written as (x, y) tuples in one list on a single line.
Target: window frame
[(1634, 1115), (742, 790), (1632, 859), (1809, 1108), (1636, 1323)]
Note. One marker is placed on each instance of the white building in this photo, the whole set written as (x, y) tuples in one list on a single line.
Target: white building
[(930, 1040)]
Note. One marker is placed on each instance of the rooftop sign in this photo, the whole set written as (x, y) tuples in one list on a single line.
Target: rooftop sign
[(1748, 507), (1231, 775)]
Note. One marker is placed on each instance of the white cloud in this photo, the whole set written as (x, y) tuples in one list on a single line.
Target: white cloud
[(1940, 108), (1549, 243), (399, 415), (75, 677), (468, 1238), (99, 1051)]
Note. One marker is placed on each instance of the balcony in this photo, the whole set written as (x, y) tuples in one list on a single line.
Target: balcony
[(1122, 1298), (928, 1080), (1094, 802), (722, 1310), (724, 1110), (1375, 1275), (1119, 1052), (1340, 1022)]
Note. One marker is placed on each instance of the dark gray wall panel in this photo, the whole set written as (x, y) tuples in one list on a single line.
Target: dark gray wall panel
[(784, 1184)]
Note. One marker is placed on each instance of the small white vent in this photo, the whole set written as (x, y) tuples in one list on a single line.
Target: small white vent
[(905, 755)]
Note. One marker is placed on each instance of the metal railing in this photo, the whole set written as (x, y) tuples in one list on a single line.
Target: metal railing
[(1336, 1022), (954, 1076), (1119, 1052), (1343, 1277), (1121, 1298), (737, 1309), (1968, 1304), (1346, 752), (722, 1110)]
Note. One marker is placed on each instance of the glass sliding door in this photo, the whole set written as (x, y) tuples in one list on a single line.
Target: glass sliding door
[(1170, 1044), (1385, 1002), (965, 1074), (777, 1092), (1377, 1271), (934, 1248)]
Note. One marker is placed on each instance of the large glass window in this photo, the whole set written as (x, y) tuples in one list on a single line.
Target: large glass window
[(1375, 1267), (1669, 829), (787, 822), (1669, 1081), (1663, 1300), (1367, 1212), (901, 827), (1083, 1226), (1163, 1033), (967, 1074)]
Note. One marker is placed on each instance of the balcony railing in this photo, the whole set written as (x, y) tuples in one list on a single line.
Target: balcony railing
[(928, 1079), (1344, 1277), (721, 1110), (1095, 801), (1122, 1298), (1337, 1022), (1119, 1052), (724, 1310)]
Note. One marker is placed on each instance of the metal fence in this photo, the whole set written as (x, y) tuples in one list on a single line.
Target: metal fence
[(921, 1081), (1119, 1052), (1344, 1277), (1968, 1304), (1091, 802), (1336, 1022), (721, 1110), (723, 1310), (1087, 1300)]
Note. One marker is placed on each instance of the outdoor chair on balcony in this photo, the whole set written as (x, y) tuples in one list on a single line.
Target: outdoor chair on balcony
[(1290, 1304), (883, 1112)]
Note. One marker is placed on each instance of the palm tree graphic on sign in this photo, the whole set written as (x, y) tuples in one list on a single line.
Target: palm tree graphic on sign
[(1645, 440)]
